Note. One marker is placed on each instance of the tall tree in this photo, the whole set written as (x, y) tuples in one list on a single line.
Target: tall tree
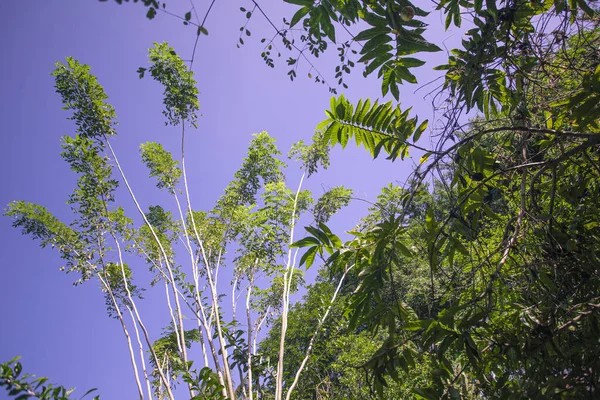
[(512, 261), (186, 250)]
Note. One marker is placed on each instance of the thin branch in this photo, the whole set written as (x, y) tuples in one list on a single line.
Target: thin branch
[(285, 298), (141, 347), (314, 336)]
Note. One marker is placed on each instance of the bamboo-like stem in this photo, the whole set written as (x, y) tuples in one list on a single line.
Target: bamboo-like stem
[(141, 347), (180, 320), (206, 324), (106, 285), (258, 326), (249, 340), (166, 278), (285, 299), (152, 231), (291, 276), (314, 336), (215, 279), (217, 267), (172, 314), (200, 306), (211, 283), (233, 299), (137, 315), (125, 332)]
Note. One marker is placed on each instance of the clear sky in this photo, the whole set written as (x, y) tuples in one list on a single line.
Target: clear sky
[(63, 332)]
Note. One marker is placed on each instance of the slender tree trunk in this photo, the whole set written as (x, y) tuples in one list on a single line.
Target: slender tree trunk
[(263, 318), (285, 299), (141, 347), (172, 314), (152, 231), (211, 283), (195, 276), (126, 333), (180, 319), (249, 340), (137, 315)]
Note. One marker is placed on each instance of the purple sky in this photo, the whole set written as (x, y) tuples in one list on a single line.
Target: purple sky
[(63, 332)]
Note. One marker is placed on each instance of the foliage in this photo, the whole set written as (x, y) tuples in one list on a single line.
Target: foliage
[(314, 155), (153, 6), (161, 164), (82, 93), (24, 386), (477, 279), (181, 93), (249, 230), (510, 312), (169, 356), (374, 126), (330, 202)]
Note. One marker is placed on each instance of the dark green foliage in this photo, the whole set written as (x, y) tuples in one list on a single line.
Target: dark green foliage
[(24, 386), (391, 34), (509, 238), (384, 44)]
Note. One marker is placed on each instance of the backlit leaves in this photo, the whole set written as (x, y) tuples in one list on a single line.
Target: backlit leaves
[(180, 91), (161, 165), (81, 92), (374, 126)]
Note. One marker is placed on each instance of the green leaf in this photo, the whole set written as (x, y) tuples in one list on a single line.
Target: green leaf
[(410, 62), (388, 78), (320, 235), (307, 241), (371, 33), (416, 325), (375, 42), (426, 394), (394, 89), (299, 15), (88, 392), (376, 63), (151, 13), (14, 359), (457, 17), (308, 258), (403, 249), (419, 131), (306, 3)]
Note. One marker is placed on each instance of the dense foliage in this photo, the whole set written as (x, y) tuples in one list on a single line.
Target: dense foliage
[(511, 309), (480, 278)]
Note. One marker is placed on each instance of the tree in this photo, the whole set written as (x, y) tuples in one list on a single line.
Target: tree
[(253, 222)]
